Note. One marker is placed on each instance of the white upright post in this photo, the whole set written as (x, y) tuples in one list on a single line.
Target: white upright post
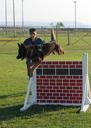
[(30, 99), (86, 87)]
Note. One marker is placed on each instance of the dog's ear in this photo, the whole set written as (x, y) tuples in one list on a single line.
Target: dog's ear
[(18, 44)]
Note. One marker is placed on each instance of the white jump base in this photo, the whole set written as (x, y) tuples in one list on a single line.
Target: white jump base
[(60, 83)]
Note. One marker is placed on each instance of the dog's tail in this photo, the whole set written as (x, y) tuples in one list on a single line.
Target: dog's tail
[(53, 36), (58, 49)]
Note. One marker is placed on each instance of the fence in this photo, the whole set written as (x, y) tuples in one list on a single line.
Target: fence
[(70, 39)]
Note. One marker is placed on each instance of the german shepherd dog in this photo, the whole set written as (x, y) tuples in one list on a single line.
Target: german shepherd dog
[(37, 56)]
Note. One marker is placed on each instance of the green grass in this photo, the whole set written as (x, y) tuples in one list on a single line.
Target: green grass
[(13, 85)]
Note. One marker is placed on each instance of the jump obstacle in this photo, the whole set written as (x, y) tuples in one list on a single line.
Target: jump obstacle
[(60, 83)]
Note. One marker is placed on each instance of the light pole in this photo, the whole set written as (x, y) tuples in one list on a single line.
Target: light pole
[(22, 16), (6, 16), (14, 18), (75, 2)]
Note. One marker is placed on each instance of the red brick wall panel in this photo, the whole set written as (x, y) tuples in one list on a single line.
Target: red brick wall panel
[(60, 88)]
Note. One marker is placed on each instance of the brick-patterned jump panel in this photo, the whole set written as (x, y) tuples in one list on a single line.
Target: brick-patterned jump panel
[(59, 82)]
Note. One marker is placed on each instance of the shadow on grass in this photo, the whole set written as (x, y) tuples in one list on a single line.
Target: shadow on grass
[(14, 111), (12, 95)]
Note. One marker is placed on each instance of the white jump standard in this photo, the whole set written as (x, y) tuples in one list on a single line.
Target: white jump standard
[(60, 83)]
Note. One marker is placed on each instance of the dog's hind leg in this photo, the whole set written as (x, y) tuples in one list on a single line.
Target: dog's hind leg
[(31, 67), (29, 70), (35, 66)]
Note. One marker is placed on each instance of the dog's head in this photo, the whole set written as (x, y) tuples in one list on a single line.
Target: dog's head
[(21, 51)]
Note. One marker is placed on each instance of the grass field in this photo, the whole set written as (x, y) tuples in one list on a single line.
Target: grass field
[(13, 84)]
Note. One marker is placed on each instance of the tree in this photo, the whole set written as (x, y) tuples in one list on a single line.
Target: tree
[(52, 25), (59, 25)]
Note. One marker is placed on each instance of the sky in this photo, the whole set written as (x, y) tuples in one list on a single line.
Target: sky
[(48, 10)]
